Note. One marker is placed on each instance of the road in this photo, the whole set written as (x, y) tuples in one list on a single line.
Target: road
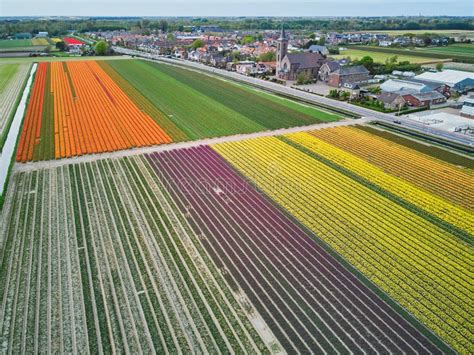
[(22, 167), (278, 88)]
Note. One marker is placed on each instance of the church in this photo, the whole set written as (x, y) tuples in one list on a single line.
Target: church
[(290, 65)]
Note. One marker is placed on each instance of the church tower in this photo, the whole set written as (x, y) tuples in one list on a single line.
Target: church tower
[(282, 49)]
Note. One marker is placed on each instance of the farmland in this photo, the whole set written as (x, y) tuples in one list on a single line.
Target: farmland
[(12, 82), (458, 49), (306, 176), (338, 239), (382, 57), (176, 251), (88, 107), (23, 44), (459, 53)]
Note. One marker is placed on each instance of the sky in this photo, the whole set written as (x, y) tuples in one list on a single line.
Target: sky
[(235, 8)]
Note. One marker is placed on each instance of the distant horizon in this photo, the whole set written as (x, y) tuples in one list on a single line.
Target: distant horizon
[(245, 8)]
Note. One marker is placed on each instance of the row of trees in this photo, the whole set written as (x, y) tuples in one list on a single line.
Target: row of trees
[(61, 26)]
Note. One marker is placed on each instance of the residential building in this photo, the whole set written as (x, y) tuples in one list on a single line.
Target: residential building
[(392, 100), (349, 75), (246, 67), (318, 49), (328, 68), (424, 99)]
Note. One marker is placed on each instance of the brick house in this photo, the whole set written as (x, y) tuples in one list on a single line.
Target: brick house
[(424, 99), (348, 75)]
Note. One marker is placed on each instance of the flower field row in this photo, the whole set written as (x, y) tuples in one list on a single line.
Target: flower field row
[(426, 269), (88, 111), (72, 41), (175, 252), (433, 175), (40, 42), (437, 206), (12, 81)]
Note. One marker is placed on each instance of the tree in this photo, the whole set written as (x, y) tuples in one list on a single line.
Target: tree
[(198, 43), (439, 66), (302, 78), (267, 57), (61, 46), (322, 41), (101, 48), (367, 62), (248, 39)]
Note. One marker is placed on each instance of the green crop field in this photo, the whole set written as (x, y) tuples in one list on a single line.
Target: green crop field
[(458, 53), (456, 49), (381, 57), (16, 43), (202, 106)]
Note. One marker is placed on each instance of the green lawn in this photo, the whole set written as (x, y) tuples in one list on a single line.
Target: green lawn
[(202, 106)]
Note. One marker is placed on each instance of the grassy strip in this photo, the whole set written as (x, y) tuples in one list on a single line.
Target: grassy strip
[(448, 227), (4, 135), (446, 349), (429, 138), (433, 151)]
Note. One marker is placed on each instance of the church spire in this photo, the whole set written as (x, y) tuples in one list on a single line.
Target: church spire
[(283, 34)]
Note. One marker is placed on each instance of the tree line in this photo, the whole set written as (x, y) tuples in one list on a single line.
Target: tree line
[(57, 27)]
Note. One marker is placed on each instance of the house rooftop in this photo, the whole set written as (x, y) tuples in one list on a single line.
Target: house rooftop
[(304, 60), (352, 70), (449, 77)]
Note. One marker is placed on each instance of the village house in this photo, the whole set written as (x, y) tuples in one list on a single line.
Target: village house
[(291, 65), (424, 99), (392, 100), (328, 68), (246, 67), (349, 75)]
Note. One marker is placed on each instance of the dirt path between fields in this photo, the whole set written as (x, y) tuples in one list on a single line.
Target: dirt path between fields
[(22, 167)]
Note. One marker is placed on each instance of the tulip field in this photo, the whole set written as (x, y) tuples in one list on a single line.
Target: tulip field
[(416, 246), (175, 251), (87, 107), (12, 81), (336, 239)]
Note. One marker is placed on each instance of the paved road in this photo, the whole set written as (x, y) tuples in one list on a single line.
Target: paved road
[(364, 112), (164, 147)]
